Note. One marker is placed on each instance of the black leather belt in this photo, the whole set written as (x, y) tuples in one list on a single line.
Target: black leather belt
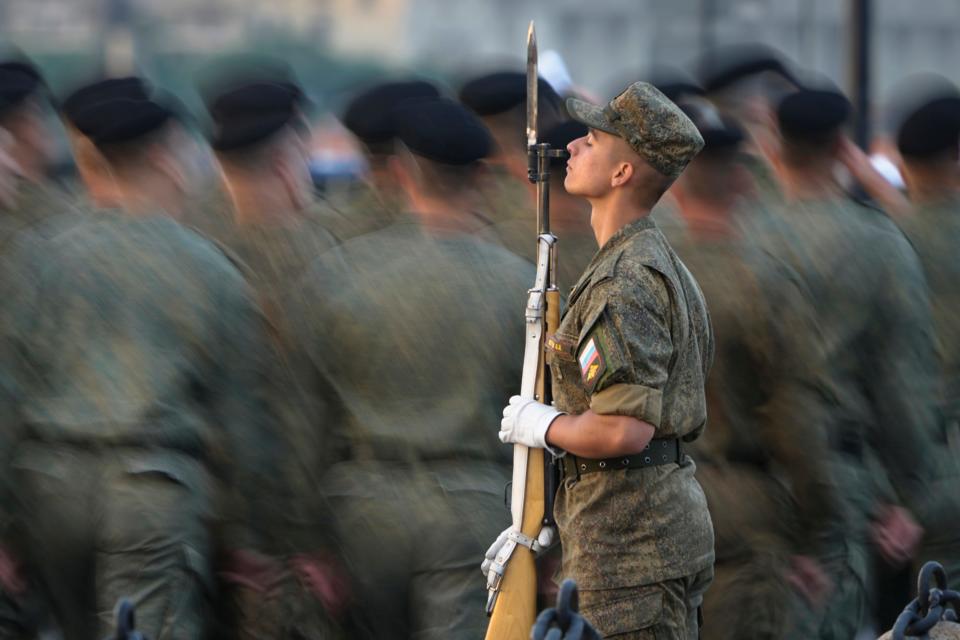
[(659, 451)]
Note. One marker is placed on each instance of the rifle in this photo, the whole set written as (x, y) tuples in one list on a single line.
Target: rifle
[(512, 583)]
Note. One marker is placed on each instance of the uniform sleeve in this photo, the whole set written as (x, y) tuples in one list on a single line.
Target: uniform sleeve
[(788, 358), (901, 376), (20, 280), (625, 349), (242, 410)]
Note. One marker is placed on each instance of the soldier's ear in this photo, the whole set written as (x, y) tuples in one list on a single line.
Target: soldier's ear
[(622, 174)]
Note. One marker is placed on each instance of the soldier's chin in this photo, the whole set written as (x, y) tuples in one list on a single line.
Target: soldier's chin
[(570, 186)]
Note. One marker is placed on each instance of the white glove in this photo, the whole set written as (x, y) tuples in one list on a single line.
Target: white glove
[(526, 421), (544, 540), (494, 549)]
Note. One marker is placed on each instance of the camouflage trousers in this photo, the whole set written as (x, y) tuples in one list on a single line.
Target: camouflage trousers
[(411, 541), (749, 599), (100, 526), (667, 610)]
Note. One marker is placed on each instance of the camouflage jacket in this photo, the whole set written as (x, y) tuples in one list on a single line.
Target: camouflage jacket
[(763, 461), (410, 329), (874, 323), (636, 341), (134, 333)]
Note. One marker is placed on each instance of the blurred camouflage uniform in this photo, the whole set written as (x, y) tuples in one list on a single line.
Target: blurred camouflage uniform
[(875, 326), (639, 542), (763, 462), (364, 209), (131, 386), (407, 327), (273, 258), (934, 231), (35, 203)]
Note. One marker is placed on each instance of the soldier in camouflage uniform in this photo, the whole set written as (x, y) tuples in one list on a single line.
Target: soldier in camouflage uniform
[(629, 364), (875, 326), (131, 385), (406, 327), (270, 227), (762, 462), (928, 141), (23, 113), (376, 202)]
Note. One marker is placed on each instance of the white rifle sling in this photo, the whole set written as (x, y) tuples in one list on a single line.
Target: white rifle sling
[(533, 352)]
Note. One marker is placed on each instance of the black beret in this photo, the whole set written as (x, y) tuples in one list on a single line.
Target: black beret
[(368, 115), (129, 88), (250, 113), (723, 67), (718, 132), (498, 92), (931, 128), (18, 80), (812, 112), (559, 136), (441, 130), (116, 120)]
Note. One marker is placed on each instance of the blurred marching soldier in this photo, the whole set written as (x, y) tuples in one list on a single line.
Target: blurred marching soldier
[(132, 364), (875, 327), (928, 140), (762, 462), (747, 82), (160, 181), (24, 107), (499, 100), (258, 136), (404, 326), (368, 117), (628, 368)]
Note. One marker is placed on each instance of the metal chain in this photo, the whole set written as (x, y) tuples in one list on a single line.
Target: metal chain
[(563, 622), (934, 603)]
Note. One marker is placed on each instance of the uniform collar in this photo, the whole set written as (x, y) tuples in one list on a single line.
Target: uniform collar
[(625, 233), (603, 256)]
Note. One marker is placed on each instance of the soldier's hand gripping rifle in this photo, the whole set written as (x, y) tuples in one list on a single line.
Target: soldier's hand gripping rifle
[(511, 572)]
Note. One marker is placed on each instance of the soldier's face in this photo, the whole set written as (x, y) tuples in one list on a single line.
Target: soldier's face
[(593, 161)]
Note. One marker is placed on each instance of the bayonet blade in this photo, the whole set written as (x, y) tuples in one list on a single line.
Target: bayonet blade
[(531, 86)]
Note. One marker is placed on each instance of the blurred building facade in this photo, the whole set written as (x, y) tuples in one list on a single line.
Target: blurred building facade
[(604, 42)]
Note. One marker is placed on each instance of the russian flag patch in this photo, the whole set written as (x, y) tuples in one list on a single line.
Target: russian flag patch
[(591, 363)]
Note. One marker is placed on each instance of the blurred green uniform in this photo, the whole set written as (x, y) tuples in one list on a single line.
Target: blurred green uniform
[(34, 204), (131, 389), (273, 257), (875, 327), (636, 340), (418, 332), (360, 210), (763, 461), (934, 231)]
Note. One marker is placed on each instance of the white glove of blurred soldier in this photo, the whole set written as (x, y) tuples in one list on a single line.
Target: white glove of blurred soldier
[(525, 421), (544, 541)]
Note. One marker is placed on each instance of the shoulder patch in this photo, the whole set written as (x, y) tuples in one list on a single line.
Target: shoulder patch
[(592, 363)]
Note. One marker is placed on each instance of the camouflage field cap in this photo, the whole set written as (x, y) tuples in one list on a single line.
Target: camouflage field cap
[(651, 124)]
